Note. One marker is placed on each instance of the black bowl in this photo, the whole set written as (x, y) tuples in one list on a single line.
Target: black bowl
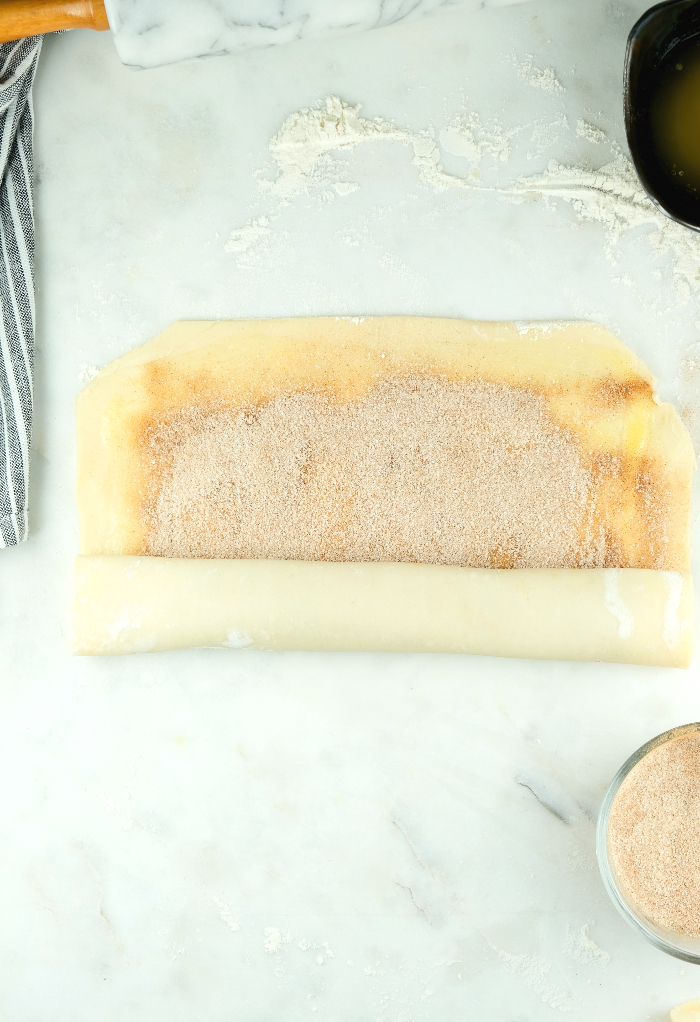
[(657, 32)]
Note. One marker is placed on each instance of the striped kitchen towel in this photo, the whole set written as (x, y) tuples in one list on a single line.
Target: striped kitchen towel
[(18, 61)]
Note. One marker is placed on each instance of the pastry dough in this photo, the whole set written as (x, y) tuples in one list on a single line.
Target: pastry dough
[(621, 459), (144, 604), (689, 1012)]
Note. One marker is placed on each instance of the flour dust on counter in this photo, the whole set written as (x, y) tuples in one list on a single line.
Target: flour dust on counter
[(86, 373), (227, 915), (538, 975), (688, 386), (580, 946), (539, 77), (610, 195), (584, 129)]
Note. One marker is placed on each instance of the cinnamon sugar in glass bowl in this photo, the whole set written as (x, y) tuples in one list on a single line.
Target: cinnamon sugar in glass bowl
[(648, 841)]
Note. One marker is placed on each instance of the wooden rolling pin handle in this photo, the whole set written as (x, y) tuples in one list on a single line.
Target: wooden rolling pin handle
[(22, 18)]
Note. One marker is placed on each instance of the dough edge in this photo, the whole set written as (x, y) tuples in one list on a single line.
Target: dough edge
[(127, 604)]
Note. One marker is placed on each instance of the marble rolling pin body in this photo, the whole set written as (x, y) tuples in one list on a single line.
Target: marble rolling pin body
[(148, 33)]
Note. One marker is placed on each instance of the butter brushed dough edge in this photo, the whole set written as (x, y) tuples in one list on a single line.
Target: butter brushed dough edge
[(125, 604)]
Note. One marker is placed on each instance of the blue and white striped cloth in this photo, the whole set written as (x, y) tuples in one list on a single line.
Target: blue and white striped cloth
[(18, 61)]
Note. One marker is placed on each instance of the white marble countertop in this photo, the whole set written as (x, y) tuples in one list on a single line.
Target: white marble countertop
[(225, 835)]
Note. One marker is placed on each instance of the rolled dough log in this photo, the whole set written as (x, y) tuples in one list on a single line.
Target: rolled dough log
[(304, 562), (144, 604)]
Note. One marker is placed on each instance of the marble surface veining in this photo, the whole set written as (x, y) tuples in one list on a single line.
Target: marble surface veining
[(229, 835), (148, 33)]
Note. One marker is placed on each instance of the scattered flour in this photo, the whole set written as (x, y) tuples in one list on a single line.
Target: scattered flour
[(546, 134), (303, 147), (245, 237), (345, 187), (688, 384), (87, 373), (611, 196), (582, 948), (590, 132), (534, 971), (466, 136), (226, 914), (274, 939), (540, 78)]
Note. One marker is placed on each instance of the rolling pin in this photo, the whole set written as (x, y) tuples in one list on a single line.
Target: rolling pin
[(150, 33)]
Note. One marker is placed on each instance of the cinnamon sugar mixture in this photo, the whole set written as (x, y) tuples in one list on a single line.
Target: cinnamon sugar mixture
[(417, 470), (654, 835)]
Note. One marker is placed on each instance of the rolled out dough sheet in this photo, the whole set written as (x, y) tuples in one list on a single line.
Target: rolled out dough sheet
[(594, 395), (153, 576), (144, 604)]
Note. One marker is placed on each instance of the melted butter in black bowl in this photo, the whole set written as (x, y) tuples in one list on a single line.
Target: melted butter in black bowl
[(662, 106), (674, 117)]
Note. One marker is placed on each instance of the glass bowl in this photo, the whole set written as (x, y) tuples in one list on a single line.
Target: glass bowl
[(676, 944)]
